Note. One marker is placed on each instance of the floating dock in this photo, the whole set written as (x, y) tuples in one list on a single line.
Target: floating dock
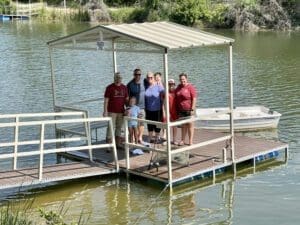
[(8, 17), (200, 162), (211, 152), (53, 173)]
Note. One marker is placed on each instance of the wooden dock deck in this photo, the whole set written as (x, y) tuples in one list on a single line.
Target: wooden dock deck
[(52, 173), (201, 160)]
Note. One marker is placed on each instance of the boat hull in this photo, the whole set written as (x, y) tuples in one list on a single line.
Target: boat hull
[(245, 118)]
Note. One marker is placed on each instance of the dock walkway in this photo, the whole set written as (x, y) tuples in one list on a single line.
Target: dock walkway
[(201, 161), (52, 173)]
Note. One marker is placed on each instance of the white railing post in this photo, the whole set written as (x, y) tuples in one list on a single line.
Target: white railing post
[(231, 104), (42, 137), (126, 133), (88, 136), (169, 153), (110, 124), (16, 143), (114, 52)]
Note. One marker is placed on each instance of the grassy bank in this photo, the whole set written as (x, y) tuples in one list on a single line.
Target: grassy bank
[(61, 14), (238, 14)]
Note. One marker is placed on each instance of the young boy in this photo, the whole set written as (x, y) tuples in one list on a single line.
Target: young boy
[(133, 111)]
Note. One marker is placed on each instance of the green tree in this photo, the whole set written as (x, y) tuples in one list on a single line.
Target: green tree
[(187, 12)]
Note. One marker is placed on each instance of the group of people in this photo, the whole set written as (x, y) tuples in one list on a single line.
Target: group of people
[(145, 98)]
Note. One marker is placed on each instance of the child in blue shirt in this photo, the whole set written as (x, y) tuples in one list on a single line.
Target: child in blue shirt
[(133, 111)]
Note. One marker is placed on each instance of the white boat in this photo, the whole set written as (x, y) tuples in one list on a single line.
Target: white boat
[(245, 118)]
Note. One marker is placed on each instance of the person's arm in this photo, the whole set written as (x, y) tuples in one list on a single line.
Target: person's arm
[(163, 103), (126, 96), (194, 100), (106, 100)]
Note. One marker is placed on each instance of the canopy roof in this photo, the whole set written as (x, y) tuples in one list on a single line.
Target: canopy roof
[(161, 35)]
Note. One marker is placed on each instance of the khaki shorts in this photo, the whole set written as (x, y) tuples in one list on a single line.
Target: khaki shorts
[(117, 120)]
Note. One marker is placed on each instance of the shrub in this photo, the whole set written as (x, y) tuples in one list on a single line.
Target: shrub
[(187, 12), (216, 16), (5, 6), (128, 15), (81, 15)]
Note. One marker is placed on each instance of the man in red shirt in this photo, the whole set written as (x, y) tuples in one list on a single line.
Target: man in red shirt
[(186, 98), (115, 99)]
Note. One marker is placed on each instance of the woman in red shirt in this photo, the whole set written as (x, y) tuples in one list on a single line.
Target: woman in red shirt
[(186, 98), (172, 108)]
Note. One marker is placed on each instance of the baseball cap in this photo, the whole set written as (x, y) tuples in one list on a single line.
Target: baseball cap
[(171, 81), (118, 75)]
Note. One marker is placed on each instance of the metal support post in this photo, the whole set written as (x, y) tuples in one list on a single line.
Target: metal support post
[(224, 155), (53, 84), (110, 124), (88, 136), (254, 164), (126, 133), (42, 132), (16, 143), (214, 172), (167, 112), (231, 106), (115, 66), (286, 151)]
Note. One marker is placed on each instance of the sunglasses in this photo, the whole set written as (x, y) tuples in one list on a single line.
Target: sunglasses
[(149, 77), (137, 74)]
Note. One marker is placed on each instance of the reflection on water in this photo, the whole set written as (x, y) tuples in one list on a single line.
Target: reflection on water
[(266, 72), (121, 201)]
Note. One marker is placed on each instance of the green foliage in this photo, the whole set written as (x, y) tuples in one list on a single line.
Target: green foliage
[(57, 218), (13, 214), (152, 4), (128, 15), (52, 218), (81, 15), (215, 17), (293, 9), (4, 6), (120, 3), (249, 4), (53, 14), (187, 12)]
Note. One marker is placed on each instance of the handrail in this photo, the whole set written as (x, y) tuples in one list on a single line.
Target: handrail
[(164, 126), (74, 109), (178, 122), (48, 122), (28, 115), (83, 101), (43, 140)]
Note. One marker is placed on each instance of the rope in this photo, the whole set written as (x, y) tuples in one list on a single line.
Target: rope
[(151, 205)]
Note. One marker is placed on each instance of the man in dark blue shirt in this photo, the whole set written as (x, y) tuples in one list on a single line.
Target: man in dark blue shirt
[(136, 88)]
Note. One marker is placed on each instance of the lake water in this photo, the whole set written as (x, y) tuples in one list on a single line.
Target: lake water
[(266, 72)]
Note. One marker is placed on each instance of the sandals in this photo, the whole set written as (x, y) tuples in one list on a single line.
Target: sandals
[(181, 143), (174, 142)]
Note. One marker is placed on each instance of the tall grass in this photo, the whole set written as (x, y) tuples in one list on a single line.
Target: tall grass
[(15, 213), (60, 14)]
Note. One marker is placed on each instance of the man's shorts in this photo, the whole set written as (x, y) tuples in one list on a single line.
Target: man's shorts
[(117, 120)]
